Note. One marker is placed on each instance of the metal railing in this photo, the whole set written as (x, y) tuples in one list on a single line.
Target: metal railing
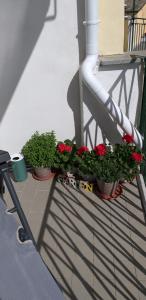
[(136, 34)]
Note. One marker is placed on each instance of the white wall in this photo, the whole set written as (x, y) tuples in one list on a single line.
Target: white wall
[(38, 59), (41, 45)]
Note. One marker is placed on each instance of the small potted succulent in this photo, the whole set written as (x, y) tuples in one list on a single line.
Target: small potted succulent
[(39, 153)]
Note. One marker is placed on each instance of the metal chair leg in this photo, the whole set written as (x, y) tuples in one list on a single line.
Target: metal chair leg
[(17, 205)]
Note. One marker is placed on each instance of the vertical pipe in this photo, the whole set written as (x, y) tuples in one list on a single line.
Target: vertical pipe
[(91, 22), (81, 109), (88, 75)]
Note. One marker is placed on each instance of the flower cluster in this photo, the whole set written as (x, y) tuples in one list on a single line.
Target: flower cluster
[(106, 162), (128, 138), (110, 163), (100, 150), (64, 156), (129, 157), (137, 157), (64, 148), (82, 149), (136, 154)]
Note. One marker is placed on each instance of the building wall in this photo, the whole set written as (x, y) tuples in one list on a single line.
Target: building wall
[(111, 38), (39, 61), (42, 44), (142, 12)]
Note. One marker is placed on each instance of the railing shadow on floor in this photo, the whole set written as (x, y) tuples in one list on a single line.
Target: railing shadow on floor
[(71, 228)]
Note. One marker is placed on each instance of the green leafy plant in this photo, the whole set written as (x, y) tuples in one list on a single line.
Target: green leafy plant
[(81, 162), (117, 162), (39, 150), (129, 158), (64, 156), (104, 164)]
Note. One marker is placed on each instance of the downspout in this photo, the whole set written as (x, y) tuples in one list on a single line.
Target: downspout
[(88, 72)]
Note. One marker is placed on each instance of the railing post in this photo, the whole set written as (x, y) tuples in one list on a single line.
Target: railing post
[(133, 17), (142, 127)]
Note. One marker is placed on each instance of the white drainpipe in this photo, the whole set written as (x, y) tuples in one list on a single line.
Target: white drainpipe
[(88, 73)]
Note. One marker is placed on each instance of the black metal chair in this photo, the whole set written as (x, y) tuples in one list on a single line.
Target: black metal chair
[(23, 272)]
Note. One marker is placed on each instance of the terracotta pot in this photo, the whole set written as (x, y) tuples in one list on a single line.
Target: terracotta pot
[(107, 188), (42, 173)]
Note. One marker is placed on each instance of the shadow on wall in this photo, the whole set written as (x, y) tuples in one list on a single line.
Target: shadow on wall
[(73, 95), (99, 123), (73, 98), (103, 121), (21, 22), (81, 29), (137, 72)]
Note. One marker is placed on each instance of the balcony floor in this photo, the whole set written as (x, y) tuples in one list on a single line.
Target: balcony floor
[(95, 249)]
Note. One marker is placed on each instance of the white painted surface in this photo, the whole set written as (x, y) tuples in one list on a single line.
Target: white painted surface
[(39, 60), (90, 77), (38, 97), (124, 84)]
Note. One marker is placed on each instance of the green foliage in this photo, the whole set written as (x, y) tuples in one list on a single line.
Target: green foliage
[(64, 161), (82, 164), (69, 142), (39, 150), (129, 167), (106, 167), (106, 162)]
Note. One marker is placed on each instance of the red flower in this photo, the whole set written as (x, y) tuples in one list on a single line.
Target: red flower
[(82, 149), (100, 149), (128, 138), (137, 157), (68, 148), (63, 147)]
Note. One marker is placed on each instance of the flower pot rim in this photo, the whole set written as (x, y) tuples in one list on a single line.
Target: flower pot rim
[(42, 178)]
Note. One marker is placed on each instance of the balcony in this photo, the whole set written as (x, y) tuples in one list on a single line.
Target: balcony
[(137, 34), (94, 248)]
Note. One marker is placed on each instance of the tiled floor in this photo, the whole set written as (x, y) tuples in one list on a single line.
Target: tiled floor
[(95, 249)]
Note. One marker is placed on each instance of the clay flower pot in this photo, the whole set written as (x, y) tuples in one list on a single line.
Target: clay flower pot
[(42, 173), (107, 188)]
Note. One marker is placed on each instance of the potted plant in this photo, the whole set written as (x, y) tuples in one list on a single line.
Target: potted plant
[(106, 169), (81, 163), (111, 164), (39, 153), (64, 156), (129, 158)]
